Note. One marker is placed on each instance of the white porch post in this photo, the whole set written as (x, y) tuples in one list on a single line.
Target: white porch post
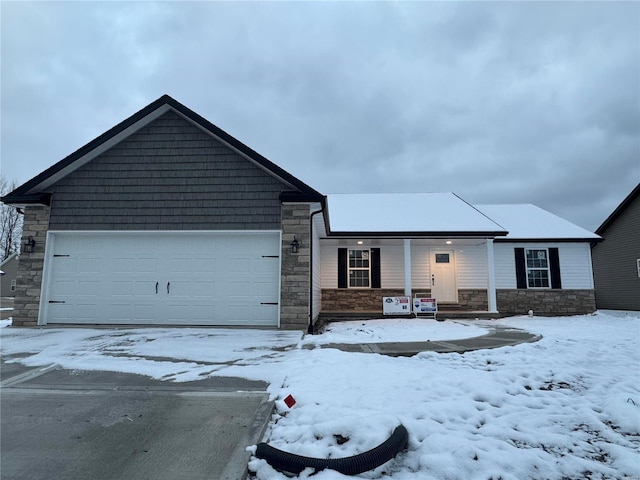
[(491, 287), (407, 267)]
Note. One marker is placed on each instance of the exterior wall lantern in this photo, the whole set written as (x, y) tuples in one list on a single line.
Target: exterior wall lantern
[(29, 245), (295, 245)]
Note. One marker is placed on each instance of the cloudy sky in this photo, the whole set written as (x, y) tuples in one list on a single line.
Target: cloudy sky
[(500, 102)]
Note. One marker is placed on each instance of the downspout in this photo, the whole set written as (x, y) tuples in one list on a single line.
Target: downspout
[(310, 327)]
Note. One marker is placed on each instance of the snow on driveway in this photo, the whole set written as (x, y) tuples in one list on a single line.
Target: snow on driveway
[(565, 407)]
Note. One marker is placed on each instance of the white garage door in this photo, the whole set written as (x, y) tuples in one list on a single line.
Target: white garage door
[(165, 278)]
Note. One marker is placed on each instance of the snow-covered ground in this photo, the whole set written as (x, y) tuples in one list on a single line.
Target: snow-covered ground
[(566, 407)]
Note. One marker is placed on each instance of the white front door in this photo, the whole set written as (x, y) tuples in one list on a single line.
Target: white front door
[(443, 276)]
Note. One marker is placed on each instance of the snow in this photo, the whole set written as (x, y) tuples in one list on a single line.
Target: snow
[(526, 221), (394, 330), (567, 406), (405, 212)]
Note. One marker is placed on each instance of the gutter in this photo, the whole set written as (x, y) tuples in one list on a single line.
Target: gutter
[(310, 327)]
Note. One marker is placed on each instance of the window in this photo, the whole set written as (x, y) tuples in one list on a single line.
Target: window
[(359, 268), (638, 265), (442, 258), (537, 268)]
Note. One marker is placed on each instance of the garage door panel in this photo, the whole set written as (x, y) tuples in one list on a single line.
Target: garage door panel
[(204, 265), (146, 265), (214, 278)]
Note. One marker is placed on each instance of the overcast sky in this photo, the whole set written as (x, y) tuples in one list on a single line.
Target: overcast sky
[(500, 102)]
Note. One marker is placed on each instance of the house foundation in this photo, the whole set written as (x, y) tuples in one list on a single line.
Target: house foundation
[(546, 302)]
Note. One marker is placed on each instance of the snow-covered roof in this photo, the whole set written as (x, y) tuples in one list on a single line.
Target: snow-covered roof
[(394, 213), (529, 222)]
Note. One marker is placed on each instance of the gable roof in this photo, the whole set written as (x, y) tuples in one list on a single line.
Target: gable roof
[(619, 209), (527, 222), (34, 191), (408, 214)]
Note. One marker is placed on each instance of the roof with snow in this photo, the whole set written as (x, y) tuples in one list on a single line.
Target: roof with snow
[(396, 214), (529, 222)]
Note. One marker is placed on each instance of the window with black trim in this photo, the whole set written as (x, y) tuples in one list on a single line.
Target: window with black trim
[(537, 264), (359, 268)]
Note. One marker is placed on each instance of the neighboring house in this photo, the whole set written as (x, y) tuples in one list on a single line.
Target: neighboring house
[(9, 272), (616, 260), (167, 220)]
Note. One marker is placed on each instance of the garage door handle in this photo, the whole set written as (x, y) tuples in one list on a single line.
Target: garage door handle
[(156, 288), (168, 287)]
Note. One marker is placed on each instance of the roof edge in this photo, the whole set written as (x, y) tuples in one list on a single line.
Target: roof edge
[(550, 240), (26, 199), (303, 197), (22, 193), (619, 209), (442, 234)]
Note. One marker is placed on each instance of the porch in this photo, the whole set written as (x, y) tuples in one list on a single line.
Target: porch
[(458, 272)]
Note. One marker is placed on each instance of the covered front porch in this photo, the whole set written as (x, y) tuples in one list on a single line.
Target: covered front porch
[(357, 273)]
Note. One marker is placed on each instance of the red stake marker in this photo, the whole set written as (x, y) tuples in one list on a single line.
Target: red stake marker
[(290, 401)]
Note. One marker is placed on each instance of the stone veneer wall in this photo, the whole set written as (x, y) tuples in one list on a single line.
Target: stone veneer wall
[(295, 281), (354, 300), (29, 278), (473, 300), (546, 302)]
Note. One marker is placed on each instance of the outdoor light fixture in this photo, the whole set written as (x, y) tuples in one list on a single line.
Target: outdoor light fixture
[(360, 242), (29, 245), (448, 242), (295, 244)]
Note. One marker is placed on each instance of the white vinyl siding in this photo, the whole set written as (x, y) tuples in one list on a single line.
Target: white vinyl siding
[(575, 264), (472, 267), (392, 267), (329, 266), (420, 267), (505, 265)]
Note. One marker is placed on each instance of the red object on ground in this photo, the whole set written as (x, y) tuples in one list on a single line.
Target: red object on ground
[(290, 401)]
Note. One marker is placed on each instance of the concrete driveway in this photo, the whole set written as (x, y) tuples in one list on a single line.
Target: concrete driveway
[(102, 425)]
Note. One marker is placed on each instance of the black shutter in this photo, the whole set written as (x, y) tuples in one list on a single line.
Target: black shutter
[(342, 267), (554, 267), (375, 268), (521, 268)]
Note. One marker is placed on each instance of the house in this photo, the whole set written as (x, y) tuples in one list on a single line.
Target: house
[(165, 219), (8, 274), (616, 260), (496, 259)]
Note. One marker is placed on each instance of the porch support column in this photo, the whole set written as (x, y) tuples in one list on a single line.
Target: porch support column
[(491, 287), (407, 267)]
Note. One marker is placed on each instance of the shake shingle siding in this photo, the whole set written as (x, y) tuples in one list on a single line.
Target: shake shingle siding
[(615, 259), (167, 176)]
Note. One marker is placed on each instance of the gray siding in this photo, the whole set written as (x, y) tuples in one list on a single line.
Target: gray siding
[(614, 262), (167, 176)]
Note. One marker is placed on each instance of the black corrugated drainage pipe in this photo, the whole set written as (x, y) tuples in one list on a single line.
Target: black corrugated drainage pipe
[(363, 462), (310, 327)]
